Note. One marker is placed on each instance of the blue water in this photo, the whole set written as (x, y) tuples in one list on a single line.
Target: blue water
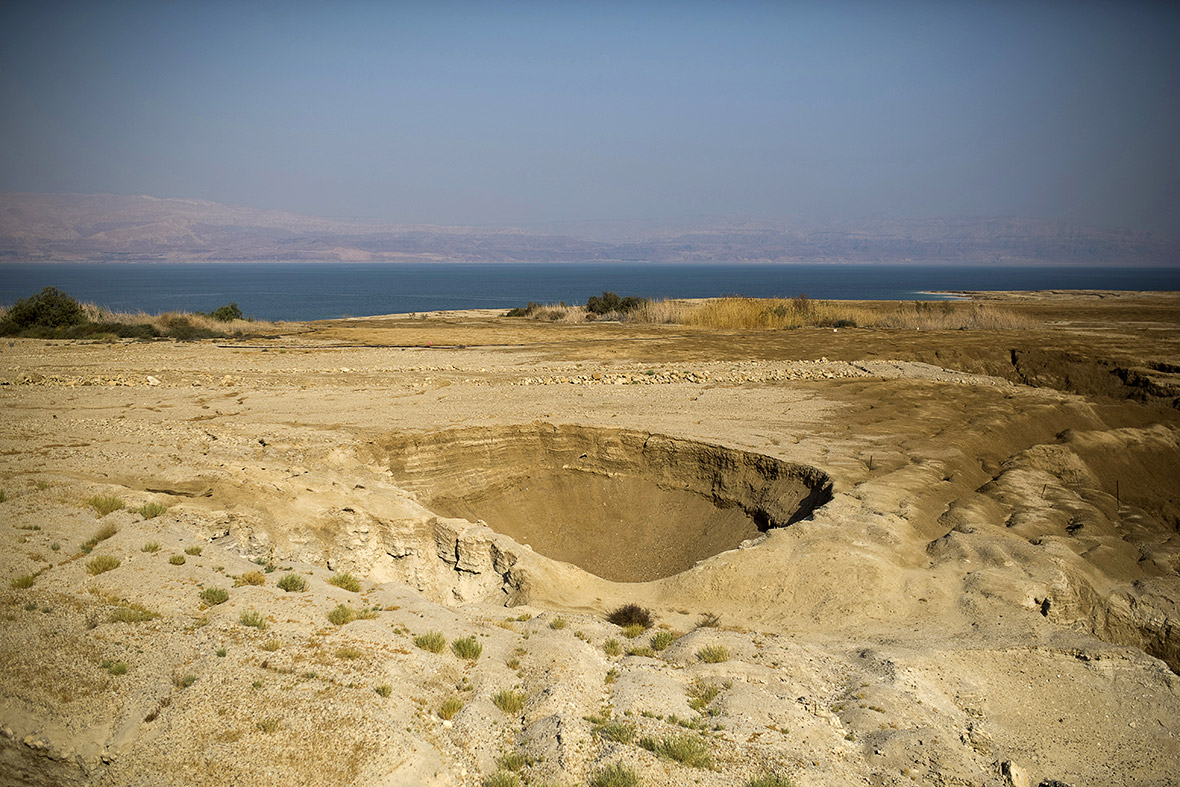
[(306, 291)]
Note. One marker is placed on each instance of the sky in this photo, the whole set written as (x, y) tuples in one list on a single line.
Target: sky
[(518, 113)]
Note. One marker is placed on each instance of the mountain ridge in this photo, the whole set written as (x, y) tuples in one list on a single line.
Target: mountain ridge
[(105, 227)]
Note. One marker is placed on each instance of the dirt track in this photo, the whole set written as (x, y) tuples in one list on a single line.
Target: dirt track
[(995, 579)]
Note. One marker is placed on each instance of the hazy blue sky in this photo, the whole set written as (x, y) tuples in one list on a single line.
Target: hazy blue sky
[(502, 113)]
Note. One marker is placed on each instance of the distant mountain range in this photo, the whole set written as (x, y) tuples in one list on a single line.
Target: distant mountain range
[(104, 228)]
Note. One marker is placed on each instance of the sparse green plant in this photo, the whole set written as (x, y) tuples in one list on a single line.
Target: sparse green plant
[(713, 654), (221, 653), (105, 504), (345, 581), (502, 779), (450, 706), (105, 532), (612, 647), (557, 624), (582, 635), (183, 680), (467, 648), (269, 725), (509, 701), (349, 653), (617, 731), (23, 582), (214, 596), (3, 496), (101, 564), (630, 615), (341, 615), (55, 546), (271, 645), (662, 639), (701, 694), (227, 313), (770, 780), (614, 775), (194, 551), (176, 560), (151, 546), (686, 749), (633, 630), (256, 684), (515, 760), (432, 641), (114, 667), (292, 583), (640, 650), (151, 510), (253, 619), (709, 620), (611, 675), (39, 485), (250, 578), (132, 613), (384, 690)]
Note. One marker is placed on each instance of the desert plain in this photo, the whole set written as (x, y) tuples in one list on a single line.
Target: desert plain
[(871, 556)]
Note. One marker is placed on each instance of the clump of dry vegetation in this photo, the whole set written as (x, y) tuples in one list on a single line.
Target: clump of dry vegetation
[(631, 615), (102, 564), (105, 504), (346, 581)]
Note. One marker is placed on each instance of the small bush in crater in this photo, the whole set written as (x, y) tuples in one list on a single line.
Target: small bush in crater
[(509, 701), (292, 583), (214, 596), (102, 564), (346, 581), (151, 510), (769, 780), (449, 708), (614, 775), (631, 615), (250, 578), (713, 654), (176, 560), (253, 619), (662, 639), (105, 504), (467, 648), (686, 749), (433, 641), (23, 582), (151, 546)]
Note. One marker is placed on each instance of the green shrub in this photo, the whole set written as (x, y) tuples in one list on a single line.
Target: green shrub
[(433, 641), (467, 648), (151, 546), (612, 647), (349, 653), (631, 615), (253, 619), (713, 654), (269, 725), (557, 624), (701, 695), (105, 532), (662, 639), (610, 302), (50, 308), (346, 581), (214, 596), (502, 779), (114, 667), (384, 690), (449, 708), (687, 749), (194, 551), (770, 780), (151, 510), (102, 564), (614, 775), (23, 582), (176, 560), (183, 680), (509, 701), (342, 614), (178, 327), (227, 313), (633, 630), (640, 650), (132, 613), (105, 504), (292, 583), (616, 731)]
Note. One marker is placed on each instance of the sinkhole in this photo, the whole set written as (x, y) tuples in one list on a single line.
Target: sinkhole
[(626, 506)]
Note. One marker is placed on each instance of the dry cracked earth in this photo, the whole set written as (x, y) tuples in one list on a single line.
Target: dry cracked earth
[(382, 552)]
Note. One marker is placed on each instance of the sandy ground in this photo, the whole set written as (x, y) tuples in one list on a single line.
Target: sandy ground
[(986, 594)]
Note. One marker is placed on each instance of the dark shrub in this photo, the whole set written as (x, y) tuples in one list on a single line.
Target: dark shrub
[(181, 328), (610, 302), (227, 313), (50, 308), (630, 615), (527, 311)]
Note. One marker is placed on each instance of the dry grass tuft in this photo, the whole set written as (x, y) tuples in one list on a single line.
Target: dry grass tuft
[(509, 701), (102, 564), (449, 708), (433, 641), (250, 578), (105, 504), (467, 648)]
